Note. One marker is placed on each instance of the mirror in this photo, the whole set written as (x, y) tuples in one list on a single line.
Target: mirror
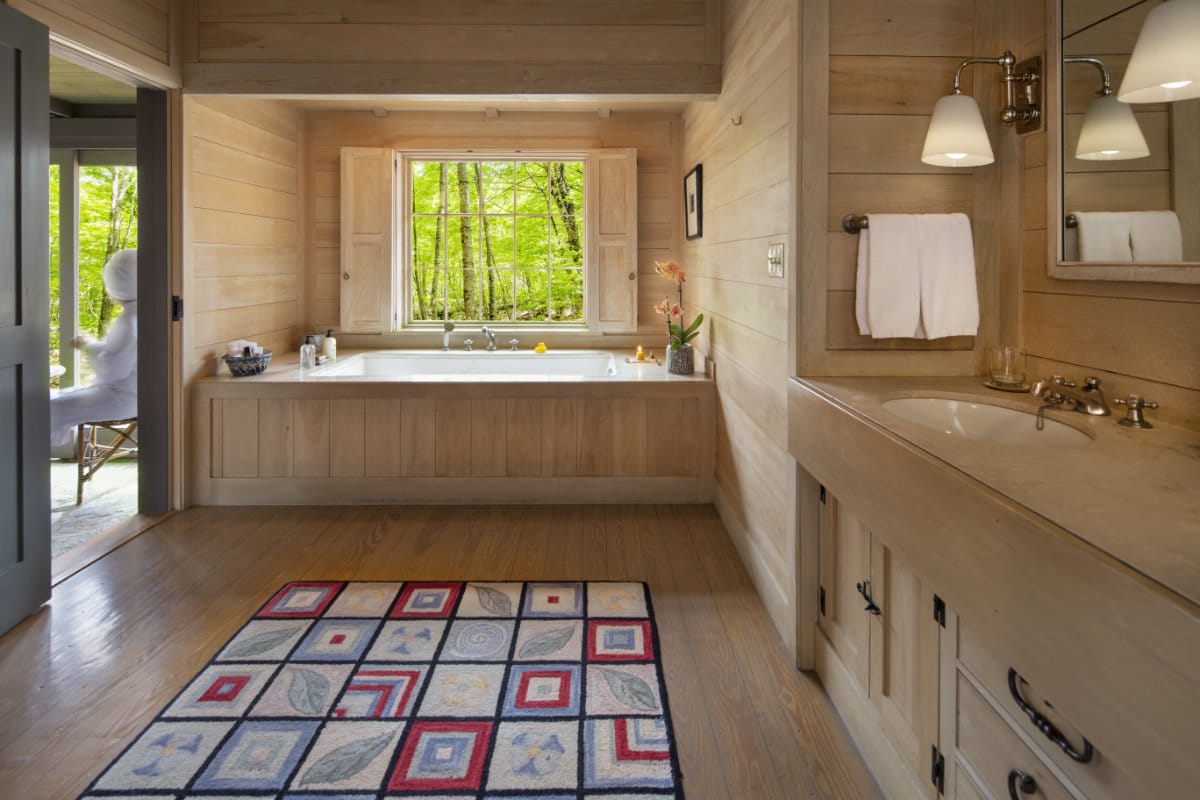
[(1118, 161)]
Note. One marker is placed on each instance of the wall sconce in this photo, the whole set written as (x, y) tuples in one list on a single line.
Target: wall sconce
[(1110, 132), (1165, 64), (956, 135)]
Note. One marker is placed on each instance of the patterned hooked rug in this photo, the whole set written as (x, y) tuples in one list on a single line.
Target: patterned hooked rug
[(365, 690)]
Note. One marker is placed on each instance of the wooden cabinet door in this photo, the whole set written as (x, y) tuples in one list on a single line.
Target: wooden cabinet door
[(904, 660), (845, 552)]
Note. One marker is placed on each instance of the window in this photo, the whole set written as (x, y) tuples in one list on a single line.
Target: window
[(496, 240)]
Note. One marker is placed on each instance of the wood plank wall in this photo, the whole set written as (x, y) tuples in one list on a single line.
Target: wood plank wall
[(746, 195), (139, 35), (455, 47), (655, 135), (1138, 337), (243, 270)]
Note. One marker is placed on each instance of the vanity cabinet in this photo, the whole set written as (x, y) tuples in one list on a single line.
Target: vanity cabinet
[(876, 617)]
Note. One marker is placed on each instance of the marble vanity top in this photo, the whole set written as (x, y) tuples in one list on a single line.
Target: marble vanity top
[(1134, 494)]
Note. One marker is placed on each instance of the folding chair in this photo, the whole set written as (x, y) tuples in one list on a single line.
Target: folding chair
[(91, 454)]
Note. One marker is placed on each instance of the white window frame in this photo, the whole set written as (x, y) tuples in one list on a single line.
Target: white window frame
[(403, 227)]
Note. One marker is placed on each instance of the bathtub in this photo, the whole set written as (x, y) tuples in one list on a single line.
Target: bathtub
[(501, 366)]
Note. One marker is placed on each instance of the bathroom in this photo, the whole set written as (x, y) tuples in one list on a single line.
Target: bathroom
[(801, 112)]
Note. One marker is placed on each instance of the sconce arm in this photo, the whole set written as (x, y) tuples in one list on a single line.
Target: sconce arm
[(1030, 113), (1106, 90)]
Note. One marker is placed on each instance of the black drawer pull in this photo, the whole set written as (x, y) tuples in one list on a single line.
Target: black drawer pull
[(1024, 782), (1046, 726), (864, 589)]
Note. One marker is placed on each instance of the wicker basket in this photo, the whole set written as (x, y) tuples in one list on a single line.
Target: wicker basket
[(242, 366)]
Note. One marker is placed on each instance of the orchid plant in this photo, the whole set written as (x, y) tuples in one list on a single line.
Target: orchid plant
[(678, 334)]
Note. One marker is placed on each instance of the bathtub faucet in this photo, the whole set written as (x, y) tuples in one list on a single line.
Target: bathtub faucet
[(491, 338)]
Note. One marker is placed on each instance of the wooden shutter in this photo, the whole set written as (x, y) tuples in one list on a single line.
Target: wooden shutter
[(367, 214), (611, 217)]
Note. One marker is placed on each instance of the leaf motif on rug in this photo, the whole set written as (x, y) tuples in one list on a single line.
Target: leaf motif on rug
[(260, 643), (496, 602), (342, 762), (308, 691), (630, 690), (546, 643)]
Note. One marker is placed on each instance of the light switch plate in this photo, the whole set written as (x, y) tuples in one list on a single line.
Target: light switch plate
[(775, 260)]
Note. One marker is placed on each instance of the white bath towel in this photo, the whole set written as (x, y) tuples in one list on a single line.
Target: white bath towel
[(1103, 236), (1155, 236), (949, 299), (888, 289)]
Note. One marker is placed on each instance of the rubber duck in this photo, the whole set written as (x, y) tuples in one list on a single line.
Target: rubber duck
[(541, 347)]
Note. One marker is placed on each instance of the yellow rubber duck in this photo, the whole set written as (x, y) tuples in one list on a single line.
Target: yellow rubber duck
[(541, 347)]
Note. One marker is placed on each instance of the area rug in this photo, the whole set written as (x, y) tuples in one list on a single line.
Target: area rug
[(433, 690)]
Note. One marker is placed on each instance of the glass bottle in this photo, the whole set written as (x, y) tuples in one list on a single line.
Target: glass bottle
[(308, 353)]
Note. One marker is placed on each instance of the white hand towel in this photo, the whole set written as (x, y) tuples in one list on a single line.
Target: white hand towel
[(888, 301), (949, 299), (1155, 236), (1103, 236)]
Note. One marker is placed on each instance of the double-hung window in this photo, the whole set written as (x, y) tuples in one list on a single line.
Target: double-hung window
[(525, 240)]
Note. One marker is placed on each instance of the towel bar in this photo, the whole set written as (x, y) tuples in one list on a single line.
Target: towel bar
[(852, 223), (1071, 221)]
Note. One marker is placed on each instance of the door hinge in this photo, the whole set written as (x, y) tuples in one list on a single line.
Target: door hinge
[(938, 770), (821, 601), (939, 610), (176, 308), (822, 494)]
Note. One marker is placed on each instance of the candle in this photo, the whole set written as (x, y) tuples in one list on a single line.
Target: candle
[(641, 356)]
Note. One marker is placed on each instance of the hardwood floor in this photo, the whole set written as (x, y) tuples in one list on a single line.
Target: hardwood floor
[(80, 679)]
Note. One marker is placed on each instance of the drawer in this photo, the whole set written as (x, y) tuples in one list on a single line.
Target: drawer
[(994, 751), (1097, 778)]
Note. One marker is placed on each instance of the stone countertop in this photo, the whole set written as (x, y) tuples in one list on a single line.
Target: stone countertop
[(1134, 494)]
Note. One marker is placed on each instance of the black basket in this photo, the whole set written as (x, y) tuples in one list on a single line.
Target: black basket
[(242, 366)]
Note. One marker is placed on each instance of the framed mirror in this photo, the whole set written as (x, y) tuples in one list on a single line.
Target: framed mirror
[(1124, 179)]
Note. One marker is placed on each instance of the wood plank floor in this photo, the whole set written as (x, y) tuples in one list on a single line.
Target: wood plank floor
[(80, 679)]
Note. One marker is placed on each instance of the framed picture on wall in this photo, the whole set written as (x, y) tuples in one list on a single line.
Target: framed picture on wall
[(693, 210)]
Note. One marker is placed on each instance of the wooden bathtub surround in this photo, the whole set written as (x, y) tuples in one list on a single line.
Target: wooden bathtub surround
[(281, 440), (1077, 567)]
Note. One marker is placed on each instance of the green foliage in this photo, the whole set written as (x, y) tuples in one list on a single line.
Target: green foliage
[(497, 240), (680, 335), (107, 223)]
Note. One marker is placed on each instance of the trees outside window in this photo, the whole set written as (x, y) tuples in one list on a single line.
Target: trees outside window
[(496, 241)]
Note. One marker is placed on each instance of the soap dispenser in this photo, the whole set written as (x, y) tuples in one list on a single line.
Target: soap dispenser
[(329, 345), (308, 353)]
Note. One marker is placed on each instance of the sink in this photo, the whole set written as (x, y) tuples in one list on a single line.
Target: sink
[(985, 422)]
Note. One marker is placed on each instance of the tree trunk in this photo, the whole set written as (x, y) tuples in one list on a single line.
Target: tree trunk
[(468, 253), (489, 257), (119, 226), (561, 192), (439, 262)]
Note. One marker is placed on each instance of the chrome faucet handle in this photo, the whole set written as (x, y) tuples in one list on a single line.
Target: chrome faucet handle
[(1133, 416), (1061, 380), (467, 344), (1091, 383), (513, 344)]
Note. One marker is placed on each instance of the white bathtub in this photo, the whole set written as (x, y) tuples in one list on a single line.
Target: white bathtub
[(501, 366)]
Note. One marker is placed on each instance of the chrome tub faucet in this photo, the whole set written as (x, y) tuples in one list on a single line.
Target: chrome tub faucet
[(490, 333)]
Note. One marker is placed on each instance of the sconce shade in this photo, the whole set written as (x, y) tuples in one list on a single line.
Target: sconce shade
[(1165, 64), (956, 136), (1110, 132)]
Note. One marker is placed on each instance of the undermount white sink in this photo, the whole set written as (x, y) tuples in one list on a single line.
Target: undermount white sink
[(985, 422)]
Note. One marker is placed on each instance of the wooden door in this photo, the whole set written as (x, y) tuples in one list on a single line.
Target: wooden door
[(24, 317), (845, 549), (904, 660)]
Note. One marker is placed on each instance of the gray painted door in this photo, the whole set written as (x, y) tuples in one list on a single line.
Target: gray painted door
[(24, 317)]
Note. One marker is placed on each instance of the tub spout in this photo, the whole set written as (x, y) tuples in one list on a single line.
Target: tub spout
[(490, 333)]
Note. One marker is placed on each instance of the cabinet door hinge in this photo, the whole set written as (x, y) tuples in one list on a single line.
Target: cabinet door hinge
[(938, 770), (939, 610), (822, 494), (821, 601)]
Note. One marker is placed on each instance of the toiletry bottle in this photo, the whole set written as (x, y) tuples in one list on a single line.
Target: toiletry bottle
[(308, 353), (329, 345)]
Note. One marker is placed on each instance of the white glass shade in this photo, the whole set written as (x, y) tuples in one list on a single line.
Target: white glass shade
[(1110, 132), (956, 136), (1165, 64)]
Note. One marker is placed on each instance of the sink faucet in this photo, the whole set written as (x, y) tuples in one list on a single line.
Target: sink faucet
[(490, 333), (1059, 391)]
